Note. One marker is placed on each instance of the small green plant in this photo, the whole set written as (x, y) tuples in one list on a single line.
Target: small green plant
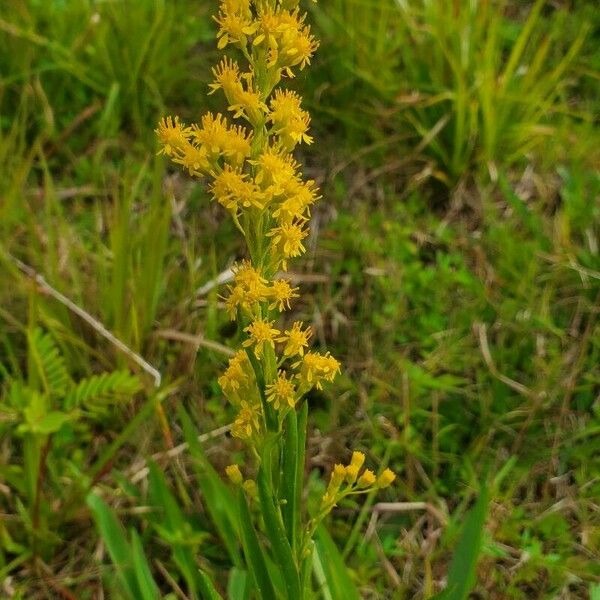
[(49, 415)]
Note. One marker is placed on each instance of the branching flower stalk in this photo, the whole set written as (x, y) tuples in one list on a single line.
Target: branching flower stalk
[(247, 158)]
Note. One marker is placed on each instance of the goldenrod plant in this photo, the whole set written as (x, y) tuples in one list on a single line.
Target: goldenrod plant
[(247, 159)]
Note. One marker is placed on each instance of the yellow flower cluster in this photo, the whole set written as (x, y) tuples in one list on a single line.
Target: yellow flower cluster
[(345, 480), (252, 173), (254, 176)]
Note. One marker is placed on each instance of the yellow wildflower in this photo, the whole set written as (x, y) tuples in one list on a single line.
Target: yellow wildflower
[(268, 26), (247, 422), (227, 78), (338, 474), (250, 488), (281, 293), (287, 241), (296, 47), (261, 333), (248, 104), (237, 297), (358, 460), (298, 197), (237, 145), (254, 284), (281, 391), (235, 22), (194, 159), (245, 274), (173, 136), (212, 133), (275, 169), (218, 137), (295, 339), (316, 368), (290, 122), (238, 374), (231, 189), (351, 474)]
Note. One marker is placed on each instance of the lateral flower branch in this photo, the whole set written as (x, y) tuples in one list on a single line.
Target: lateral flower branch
[(247, 158)]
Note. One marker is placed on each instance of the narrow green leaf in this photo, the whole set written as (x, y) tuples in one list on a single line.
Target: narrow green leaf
[(118, 548), (207, 589), (331, 564), (220, 502), (301, 457), (172, 521), (275, 531), (289, 468), (238, 585), (462, 571), (253, 551), (146, 582)]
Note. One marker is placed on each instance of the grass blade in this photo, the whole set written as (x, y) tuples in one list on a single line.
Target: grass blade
[(172, 520), (253, 551), (276, 534), (462, 571), (145, 580), (220, 502), (118, 548), (332, 567), (290, 467), (207, 589)]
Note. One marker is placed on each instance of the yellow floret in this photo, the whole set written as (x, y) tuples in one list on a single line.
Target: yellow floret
[(367, 479), (281, 391), (234, 474), (232, 189), (316, 368), (261, 334), (281, 292), (295, 339), (173, 135), (287, 241)]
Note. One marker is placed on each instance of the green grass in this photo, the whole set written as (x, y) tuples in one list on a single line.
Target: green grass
[(454, 268)]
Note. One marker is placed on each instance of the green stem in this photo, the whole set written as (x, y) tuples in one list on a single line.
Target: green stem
[(282, 550)]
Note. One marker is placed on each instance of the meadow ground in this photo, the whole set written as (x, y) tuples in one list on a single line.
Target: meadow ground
[(453, 267)]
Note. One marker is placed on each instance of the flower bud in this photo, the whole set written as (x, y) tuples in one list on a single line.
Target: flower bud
[(386, 478), (234, 474), (367, 479)]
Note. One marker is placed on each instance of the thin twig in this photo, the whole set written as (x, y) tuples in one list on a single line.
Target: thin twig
[(194, 340), (224, 277), (489, 361), (398, 507), (165, 573), (140, 469), (91, 321)]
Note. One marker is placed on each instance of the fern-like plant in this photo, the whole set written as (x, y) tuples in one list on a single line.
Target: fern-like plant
[(49, 413)]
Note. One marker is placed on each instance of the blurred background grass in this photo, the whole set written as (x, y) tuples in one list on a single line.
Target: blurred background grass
[(453, 266)]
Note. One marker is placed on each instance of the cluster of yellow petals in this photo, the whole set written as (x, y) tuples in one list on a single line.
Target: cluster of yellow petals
[(316, 368), (282, 391), (247, 158), (238, 381), (290, 122)]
